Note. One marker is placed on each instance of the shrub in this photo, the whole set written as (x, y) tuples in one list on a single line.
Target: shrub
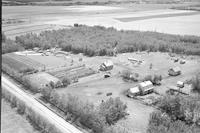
[(155, 79), (66, 81), (21, 107), (113, 110), (172, 106), (46, 93), (196, 84)]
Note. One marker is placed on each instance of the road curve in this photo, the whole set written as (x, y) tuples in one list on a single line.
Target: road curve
[(53, 118)]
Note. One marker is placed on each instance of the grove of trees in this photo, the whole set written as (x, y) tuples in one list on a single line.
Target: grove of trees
[(98, 40), (177, 114), (96, 118), (9, 45)]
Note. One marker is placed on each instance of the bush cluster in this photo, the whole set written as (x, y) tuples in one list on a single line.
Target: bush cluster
[(96, 118), (128, 75), (9, 45), (98, 40), (196, 83), (177, 115), (161, 123), (155, 79)]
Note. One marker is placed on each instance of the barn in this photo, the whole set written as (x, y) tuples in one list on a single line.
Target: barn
[(107, 65)]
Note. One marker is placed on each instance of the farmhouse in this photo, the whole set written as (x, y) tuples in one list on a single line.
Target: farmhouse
[(142, 89), (174, 71), (146, 87), (107, 65)]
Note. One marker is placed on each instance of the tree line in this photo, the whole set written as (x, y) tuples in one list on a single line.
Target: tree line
[(36, 120), (96, 118), (98, 40)]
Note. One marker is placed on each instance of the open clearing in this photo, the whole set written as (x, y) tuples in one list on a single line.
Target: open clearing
[(94, 88), (11, 122), (144, 17)]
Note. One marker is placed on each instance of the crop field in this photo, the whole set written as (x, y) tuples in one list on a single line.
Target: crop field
[(11, 122), (37, 20), (73, 72), (16, 30), (19, 62)]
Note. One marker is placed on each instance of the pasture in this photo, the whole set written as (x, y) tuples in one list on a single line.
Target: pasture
[(12, 122)]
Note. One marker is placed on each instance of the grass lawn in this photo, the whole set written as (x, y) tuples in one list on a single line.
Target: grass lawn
[(12, 122)]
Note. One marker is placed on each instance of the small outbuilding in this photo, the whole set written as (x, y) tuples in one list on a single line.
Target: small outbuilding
[(182, 61), (180, 84), (36, 49), (174, 71), (132, 92), (107, 65)]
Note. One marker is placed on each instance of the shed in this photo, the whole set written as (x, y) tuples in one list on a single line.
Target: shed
[(180, 84), (146, 87), (107, 65), (182, 62), (132, 92), (36, 49), (174, 71)]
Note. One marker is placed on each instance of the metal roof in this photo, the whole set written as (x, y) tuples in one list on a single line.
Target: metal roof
[(145, 83), (134, 90)]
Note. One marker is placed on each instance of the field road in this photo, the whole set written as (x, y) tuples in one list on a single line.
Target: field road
[(60, 123)]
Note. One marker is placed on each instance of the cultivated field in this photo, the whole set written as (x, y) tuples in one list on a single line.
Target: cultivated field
[(20, 63), (11, 122), (145, 17)]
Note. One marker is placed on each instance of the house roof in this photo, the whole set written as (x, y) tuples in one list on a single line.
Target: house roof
[(108, 63), (134, 90), (176, 69), (145, 83)]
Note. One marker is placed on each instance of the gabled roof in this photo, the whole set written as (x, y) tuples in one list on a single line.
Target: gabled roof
[(134, 90), (145, 83), (176, 69), (108, 63)]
